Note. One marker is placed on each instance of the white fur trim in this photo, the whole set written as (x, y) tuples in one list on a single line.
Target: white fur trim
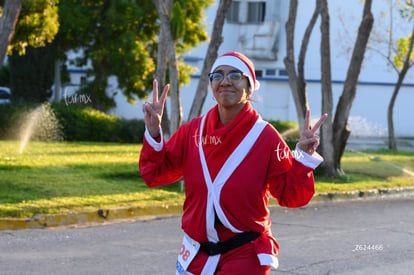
[(211, 265), (229, 60), (157, 146), (214, 188), (311, 161), (233, 161), (268, 259)]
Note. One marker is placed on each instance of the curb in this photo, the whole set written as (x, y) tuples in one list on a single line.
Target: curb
[(364, 194), (102, 216)]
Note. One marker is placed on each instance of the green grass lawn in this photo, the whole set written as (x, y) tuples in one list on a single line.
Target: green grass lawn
[(371, 170), (67, 177)]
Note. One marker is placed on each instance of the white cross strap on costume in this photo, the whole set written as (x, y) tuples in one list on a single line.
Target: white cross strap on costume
[(214, 188), (228, 168)]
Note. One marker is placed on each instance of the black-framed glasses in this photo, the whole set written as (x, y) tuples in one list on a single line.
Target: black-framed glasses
[(233, 77)]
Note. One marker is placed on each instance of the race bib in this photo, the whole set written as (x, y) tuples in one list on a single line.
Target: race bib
[(188, 251)]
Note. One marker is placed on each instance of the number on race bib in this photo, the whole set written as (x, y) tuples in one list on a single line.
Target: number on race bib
[(188, 251), (184, 253)]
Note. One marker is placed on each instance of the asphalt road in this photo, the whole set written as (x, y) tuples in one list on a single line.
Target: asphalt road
[(355, 237)]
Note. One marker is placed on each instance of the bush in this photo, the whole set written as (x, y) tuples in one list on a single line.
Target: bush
[(289, 131), (82, 123), (77, 123), (10, 119), (87, 124), (5, 75), (283, 126), (132, 131)]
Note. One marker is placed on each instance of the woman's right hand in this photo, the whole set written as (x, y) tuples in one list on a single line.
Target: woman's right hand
[(153, 110)]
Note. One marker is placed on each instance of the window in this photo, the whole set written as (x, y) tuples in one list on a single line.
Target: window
[(256, 12), (233, 12), (258, 73), (270, 71), (283, 72)]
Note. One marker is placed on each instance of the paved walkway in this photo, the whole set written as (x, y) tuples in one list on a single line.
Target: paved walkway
[(372, 236), (363, 143)]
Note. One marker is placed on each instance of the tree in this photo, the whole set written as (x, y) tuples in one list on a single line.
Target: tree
[(165, 14), (161, 72), (118, 38), (297, 81), (340, 126), (31, 74), (396, 53), (35, 28), (211, 55), (326, 131), (180, 29), (399, 55), (37, 25), (334, 134), (9, 15), (403, 60)]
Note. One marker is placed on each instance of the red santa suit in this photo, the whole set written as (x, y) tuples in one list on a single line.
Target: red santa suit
[(229, 172)]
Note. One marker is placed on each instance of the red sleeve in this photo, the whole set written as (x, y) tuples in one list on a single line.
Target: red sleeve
[(289, 181), (166, 166)]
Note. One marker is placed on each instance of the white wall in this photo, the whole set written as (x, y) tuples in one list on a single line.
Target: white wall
[(274, 100)]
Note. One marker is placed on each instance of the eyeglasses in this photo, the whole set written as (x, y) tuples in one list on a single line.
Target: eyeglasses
[(233, 77)]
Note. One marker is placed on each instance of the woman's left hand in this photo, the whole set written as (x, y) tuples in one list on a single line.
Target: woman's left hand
[(308, 140)]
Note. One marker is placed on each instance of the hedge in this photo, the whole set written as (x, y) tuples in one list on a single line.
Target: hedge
[(76, 123), (82, 123), (289, 130)]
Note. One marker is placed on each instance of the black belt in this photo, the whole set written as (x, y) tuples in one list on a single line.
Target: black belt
[(222, 247)]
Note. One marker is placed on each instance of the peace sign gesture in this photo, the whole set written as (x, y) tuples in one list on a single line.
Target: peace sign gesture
[(308, 140), (153, 110)]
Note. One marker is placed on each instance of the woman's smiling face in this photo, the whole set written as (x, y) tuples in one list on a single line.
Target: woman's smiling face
[(230, 87)]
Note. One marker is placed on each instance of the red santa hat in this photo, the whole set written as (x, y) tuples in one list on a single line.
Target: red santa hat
[(240, 62)]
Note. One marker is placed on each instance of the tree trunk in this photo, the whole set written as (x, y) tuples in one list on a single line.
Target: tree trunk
[(326, 131), (164, 9), (57, 92), (340, 126), (297, 81), (8, 20), (162, 60), (160, 77), (176, 110), (392, 143), (211, 56), (301, 82)]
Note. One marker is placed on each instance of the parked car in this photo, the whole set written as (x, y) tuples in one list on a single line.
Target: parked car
[(4, 95)]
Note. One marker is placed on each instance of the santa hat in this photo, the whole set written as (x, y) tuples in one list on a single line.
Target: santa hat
[(240, 62)]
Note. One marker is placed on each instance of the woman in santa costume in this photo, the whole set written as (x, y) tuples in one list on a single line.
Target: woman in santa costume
[(231, 161)]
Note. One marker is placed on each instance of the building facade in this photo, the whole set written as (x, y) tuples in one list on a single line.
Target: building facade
[(257, 29)]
